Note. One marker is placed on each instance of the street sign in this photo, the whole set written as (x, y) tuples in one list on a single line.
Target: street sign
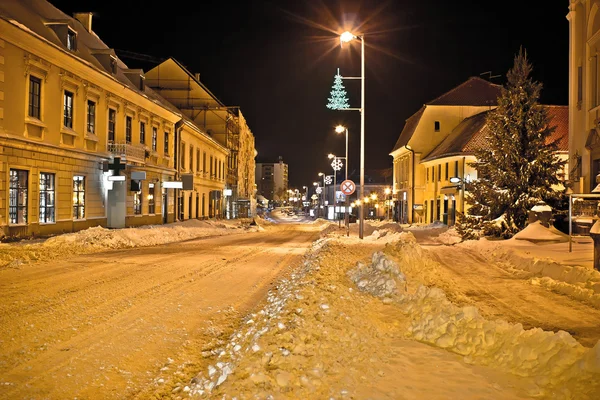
[(348, 187)]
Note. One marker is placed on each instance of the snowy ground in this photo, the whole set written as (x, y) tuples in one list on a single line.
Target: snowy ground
[(355, 321)]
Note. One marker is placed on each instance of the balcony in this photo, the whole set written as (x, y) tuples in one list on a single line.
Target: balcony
[(127, 151)]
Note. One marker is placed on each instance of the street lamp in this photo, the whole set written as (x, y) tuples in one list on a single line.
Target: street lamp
[(346, 37)]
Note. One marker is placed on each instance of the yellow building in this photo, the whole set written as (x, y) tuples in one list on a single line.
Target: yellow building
[(83, 140), (223, 123), (442, 156), (584, 94), (202, 169), (422, 132)]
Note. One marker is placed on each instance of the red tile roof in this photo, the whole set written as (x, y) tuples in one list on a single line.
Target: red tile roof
[(473, 92)]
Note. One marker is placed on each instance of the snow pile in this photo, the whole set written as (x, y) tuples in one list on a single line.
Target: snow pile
[(98, 238), (449, 237), (559, 364), (536, 232), (578, 282), (381, 279)]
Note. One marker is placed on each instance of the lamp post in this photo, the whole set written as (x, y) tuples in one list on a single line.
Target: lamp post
[(340, 129), (336, 164), (324, 190), (345, 38)]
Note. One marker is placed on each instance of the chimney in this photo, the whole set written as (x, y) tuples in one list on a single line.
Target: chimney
[(85, 19), (197, 75)]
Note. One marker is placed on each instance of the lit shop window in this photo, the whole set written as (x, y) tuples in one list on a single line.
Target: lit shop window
[(47, 197), (79, 197), (151, 198), (17, 196)]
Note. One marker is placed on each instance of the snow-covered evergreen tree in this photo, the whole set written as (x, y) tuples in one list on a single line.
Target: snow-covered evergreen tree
[(518, 165), (338, 99)]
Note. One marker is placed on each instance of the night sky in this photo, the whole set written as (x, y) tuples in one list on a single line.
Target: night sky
[(277, 59)]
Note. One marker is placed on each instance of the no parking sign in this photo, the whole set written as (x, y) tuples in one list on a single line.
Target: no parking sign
[(348, 187)]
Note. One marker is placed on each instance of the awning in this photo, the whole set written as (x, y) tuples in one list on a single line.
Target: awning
[(449, 190)]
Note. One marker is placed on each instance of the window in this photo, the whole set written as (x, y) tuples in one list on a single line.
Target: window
[(35, 87), (427, 180), (154, 137), (204, 162), (456, 168), (446, 171), (166, 143), (151, 198), (91, 117), (137, 202), (17, 196), (128, 129), (191, 158), (142, 132), (68, 110), (112, 121), (79, 197), (198, 160), (436, 126), (47, 197), (439, 172), (211, 166), (71, 40)]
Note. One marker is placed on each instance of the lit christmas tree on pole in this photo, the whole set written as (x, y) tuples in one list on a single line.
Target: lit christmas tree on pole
[(338, 99)]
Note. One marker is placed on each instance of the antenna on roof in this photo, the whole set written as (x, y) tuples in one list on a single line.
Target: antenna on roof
[(489, 74)]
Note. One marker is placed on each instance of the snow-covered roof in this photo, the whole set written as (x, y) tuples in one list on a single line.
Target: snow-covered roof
[(471, 134)]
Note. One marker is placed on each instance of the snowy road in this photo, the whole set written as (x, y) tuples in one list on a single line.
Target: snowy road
[(468, 278), (104, 325)]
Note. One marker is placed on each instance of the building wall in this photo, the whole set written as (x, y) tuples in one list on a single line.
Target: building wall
[(45, 144), (584, 93), (206, 178), (280, 179), (442, 198)]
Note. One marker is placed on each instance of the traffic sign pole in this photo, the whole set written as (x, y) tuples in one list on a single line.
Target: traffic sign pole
[(348, 187)]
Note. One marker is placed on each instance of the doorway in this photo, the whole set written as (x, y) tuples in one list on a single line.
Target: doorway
[(164, 205)]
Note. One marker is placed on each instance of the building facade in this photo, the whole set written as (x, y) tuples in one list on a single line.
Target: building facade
[(433, 153), (202, 168), (84, 141), (425, 130), (584, 94), (225, 124), (272, 180)]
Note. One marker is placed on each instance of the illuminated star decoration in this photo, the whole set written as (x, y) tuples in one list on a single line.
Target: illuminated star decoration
[(338, 99)]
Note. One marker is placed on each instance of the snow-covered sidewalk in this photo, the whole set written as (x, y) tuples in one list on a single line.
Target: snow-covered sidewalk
[(14, 255)]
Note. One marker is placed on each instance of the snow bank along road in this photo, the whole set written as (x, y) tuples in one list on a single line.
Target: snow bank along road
[(470, 278), (104, 325)]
